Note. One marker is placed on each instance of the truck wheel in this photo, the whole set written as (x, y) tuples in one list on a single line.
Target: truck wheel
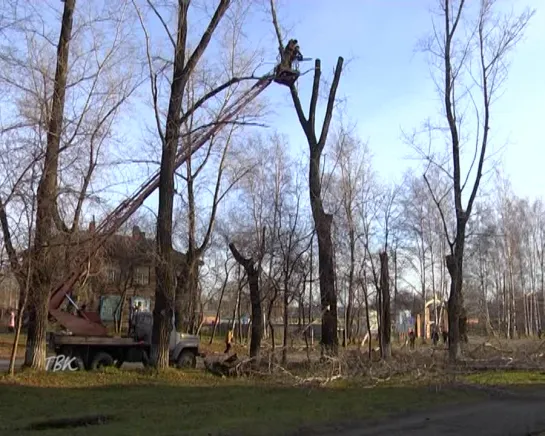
[(186, 359), (146, 361), (79, 364), (101, 360)]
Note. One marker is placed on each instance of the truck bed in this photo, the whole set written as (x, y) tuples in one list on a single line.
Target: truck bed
[(93, 340)]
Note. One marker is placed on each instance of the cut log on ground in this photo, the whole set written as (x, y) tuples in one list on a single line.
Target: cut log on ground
[(224, 366)]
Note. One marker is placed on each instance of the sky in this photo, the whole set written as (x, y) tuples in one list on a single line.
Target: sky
[(388, 86), (386, 83)]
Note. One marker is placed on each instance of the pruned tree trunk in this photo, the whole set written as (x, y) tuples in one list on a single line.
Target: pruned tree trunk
[(41, 277), (322, 220), (255, 301)]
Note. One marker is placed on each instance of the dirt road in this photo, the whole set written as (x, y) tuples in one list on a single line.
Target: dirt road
[(512, 415), (4, 364)]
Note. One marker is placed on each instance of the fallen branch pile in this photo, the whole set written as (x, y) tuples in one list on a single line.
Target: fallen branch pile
[(431, 364)]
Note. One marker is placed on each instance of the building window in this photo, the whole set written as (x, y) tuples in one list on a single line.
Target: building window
[(141, 275), (112, 275)]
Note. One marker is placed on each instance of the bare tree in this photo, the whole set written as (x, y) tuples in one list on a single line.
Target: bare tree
[(183, 66), (472, 57), (423, 231), (187, 297), (23, 277), (226, 274), (322, 219), (46, 211), (381, 276), (95, 92), (293, 243), (354, 183)]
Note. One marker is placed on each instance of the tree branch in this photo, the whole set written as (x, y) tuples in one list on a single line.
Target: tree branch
[(205, 40), (314, 95), (12, 254), (246, 263), (331, 102)]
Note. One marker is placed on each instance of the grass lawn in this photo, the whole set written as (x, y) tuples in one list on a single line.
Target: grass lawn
[(196, 403), (6, 343), (508, 378)]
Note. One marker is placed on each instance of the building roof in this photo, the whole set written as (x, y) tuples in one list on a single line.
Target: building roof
[(135, 247)]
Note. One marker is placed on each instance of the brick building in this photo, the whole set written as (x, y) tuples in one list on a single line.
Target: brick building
[(122, 272)]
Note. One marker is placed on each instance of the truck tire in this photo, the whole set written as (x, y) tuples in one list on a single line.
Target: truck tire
[(146, 361), (101, 360), (79, 364), (186, 359)]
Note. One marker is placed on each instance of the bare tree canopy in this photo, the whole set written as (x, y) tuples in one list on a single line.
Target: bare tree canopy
[(470, 47)]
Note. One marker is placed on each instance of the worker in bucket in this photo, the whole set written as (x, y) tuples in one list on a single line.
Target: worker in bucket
[(290, 55)]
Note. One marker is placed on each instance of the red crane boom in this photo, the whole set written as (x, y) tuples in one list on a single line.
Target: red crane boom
[(89, 323)]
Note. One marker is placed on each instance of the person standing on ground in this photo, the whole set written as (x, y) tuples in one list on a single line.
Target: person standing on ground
[(435, 336), (11, 326), (228, 341), (132, 317), (412, 339), (445, 337)]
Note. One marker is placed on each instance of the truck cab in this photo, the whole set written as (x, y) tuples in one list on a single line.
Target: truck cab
[(183, 348)]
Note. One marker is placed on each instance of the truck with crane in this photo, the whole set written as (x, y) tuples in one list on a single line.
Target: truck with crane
[(91, 352), (84, 339)]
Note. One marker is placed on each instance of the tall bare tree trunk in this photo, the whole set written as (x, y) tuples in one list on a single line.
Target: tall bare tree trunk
[(41, 279), (163, 311), (395, 309), (350, 306), (367, 320), (457, 319), (187, 295), (386, 323), (490, 43), (218, 311)]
